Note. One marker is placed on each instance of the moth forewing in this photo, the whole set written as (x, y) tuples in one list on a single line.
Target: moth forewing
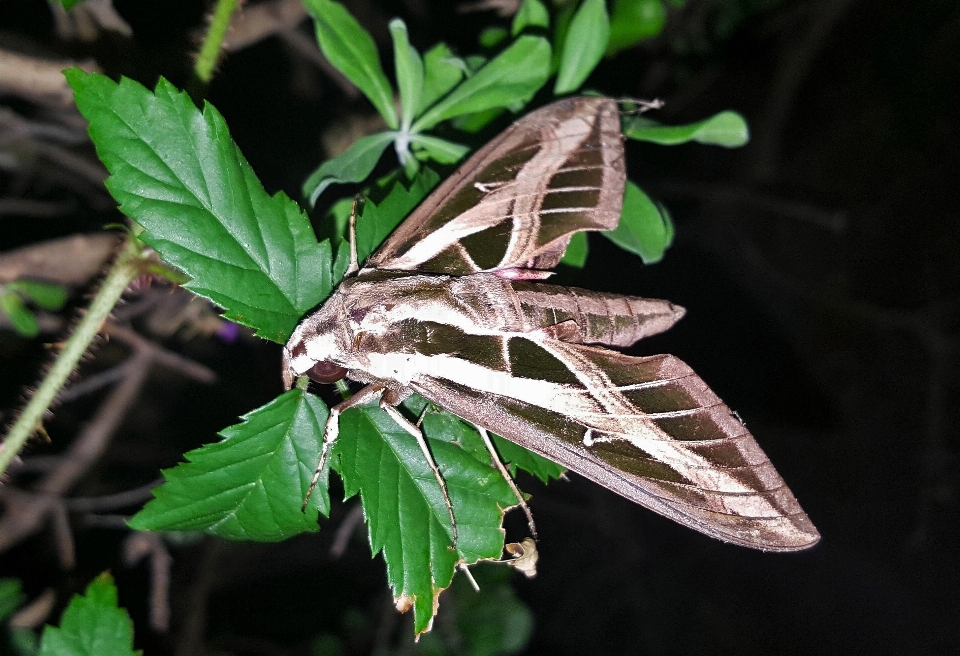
[(451, 307)]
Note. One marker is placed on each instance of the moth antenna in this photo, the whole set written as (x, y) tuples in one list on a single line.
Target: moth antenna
[(414, 430), (509, 479), (640, 106), (354, 264), (332, 430)]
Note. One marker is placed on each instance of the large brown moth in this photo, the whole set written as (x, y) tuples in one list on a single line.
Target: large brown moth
[(452, 306)]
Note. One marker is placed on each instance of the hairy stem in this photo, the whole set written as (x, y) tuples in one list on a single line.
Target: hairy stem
[(213, 41), (124, 270)]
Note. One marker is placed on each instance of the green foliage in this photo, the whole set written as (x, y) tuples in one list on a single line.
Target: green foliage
[(583, 46), (645, 227), (15, 295), (351, 49), (176, 172), (727, 129), (92, 625), (250, 485), (69, 4), (633, 21), (432, 88), (11, 596), (532, 13), (404, 505)]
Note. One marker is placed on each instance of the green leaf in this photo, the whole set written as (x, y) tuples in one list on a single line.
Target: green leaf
[(11, 596), (69, 4), (577, 249), (177, 173), (405, 508), (410, 72), (92, 625), (46, 295), (491, 37), (727, 129), (645, 227), (561, 28), (352, 165), (633, 21), (250, 485), (515, 456), (351, 49), (442, 71), (22, 319), (512, 76), (379, 220), (439, 150), (532, 13), (583, 46)]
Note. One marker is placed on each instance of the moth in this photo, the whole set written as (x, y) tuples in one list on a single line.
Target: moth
[(453, 306)]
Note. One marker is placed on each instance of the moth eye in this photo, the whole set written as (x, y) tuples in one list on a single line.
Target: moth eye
[(326, 372)]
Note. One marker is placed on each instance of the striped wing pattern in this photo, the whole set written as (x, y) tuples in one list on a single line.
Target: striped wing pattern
[(517, 201), (648, 428)]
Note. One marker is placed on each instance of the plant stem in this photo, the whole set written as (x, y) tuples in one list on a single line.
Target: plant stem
[(212, 42), (126, 267)]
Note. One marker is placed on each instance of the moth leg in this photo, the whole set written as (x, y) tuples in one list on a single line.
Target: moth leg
[(509, 479), (414, 430), (354, 264), (332, 430)]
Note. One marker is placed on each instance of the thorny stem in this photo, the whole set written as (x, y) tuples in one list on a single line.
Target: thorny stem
[(124, 270), (213, 41)]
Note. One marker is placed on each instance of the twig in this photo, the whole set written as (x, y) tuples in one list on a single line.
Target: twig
[(135, 548), (162, 356), (112, 501), (798, 57), (83, 453), (348, 526), (126, 268)]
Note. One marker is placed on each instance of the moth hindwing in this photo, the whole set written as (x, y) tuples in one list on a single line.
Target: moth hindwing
[(452, 306)]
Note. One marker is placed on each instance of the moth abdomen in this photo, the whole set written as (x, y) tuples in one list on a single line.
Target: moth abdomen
[(601, 318)]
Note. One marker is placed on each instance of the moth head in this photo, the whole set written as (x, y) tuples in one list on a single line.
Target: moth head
[(309, 353)]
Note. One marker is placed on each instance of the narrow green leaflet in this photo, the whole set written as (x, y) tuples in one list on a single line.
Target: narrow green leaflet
[(583, 46), (517, 457), (45, 295), (176, 172), (513, 455), (442, 71), (352, 165), (250, 485), (11, 596), (20, 316), (512, 76), (645, 227), (532, 13), (405, 509), (380, 219), (633, 21), (577, 250), (727, 129), (410, 72), (92, 625), (493, 36), (351, 49), (439, 150)]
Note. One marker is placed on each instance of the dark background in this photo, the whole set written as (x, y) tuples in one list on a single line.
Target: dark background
[(820, 269)]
